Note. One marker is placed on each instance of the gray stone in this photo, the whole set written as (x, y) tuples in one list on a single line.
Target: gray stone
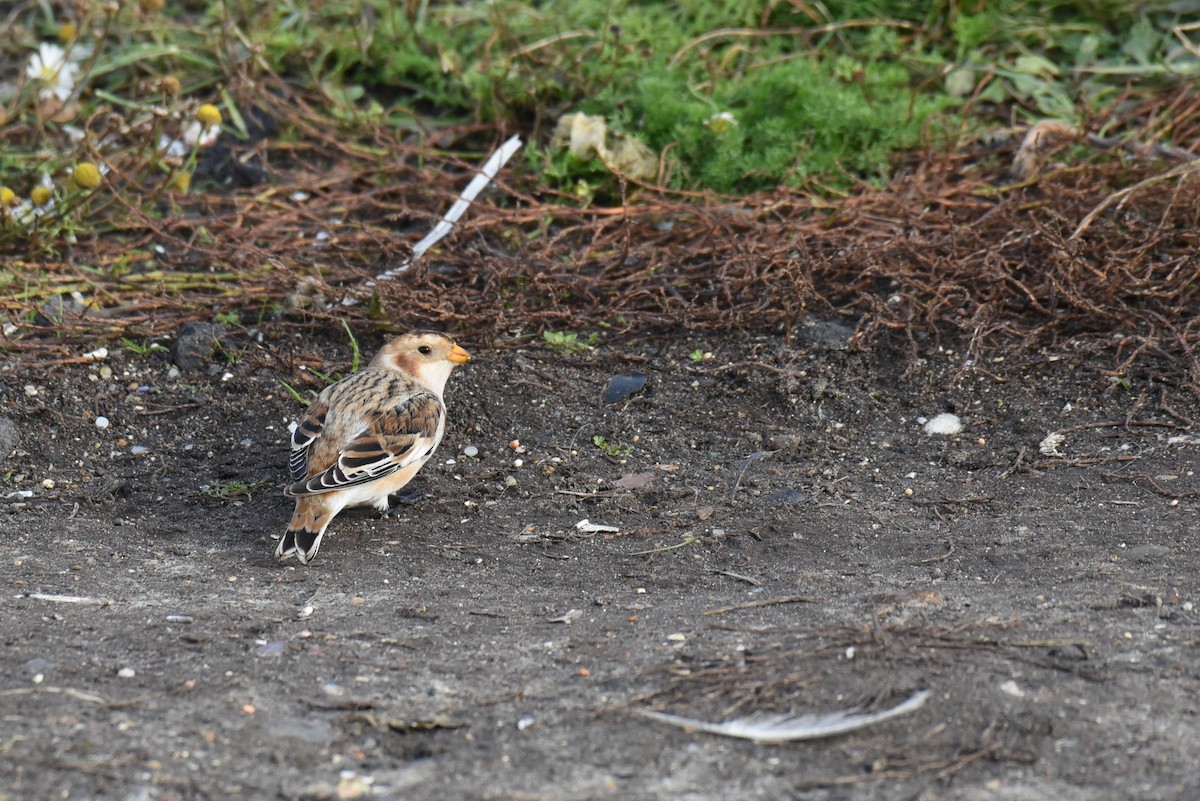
[(622, 386), (195, 343), (787, 495), (10, 437), (310, 731), (59, 308), (828, 334)]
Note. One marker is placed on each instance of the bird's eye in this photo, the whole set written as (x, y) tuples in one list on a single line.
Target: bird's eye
[(424, 350)]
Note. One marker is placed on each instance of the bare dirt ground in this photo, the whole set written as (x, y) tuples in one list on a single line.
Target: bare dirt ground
[(789, 539)]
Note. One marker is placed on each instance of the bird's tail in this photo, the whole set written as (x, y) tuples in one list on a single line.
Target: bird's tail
[(303, 536)]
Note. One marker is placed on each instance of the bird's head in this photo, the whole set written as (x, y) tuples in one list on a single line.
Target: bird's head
[(427, 356)]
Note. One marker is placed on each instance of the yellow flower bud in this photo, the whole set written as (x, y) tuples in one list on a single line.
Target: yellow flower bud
[(169, 85), (41, 195), (86, 175), (209, 114), (7, 196), (66, 32), (182, 182)]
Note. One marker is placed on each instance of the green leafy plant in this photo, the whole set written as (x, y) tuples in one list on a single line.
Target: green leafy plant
[(296, 394), (356, 354), (234, 490), (141, 348), (612, 449), (568, 342)]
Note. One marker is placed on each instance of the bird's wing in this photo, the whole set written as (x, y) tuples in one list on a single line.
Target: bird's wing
[(306, 432), (393, 439)]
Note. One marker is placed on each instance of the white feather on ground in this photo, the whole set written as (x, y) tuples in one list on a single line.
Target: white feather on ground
[(780, 728), (485, 175), (445, 225)]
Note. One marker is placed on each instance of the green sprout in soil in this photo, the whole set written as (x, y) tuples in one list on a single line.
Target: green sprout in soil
[(688, 538), (234, 490), (296, 394), (568, 342), (612, 450), (141, 348), (356, 359)]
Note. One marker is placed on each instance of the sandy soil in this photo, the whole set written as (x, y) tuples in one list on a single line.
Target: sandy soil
[(789, 539)]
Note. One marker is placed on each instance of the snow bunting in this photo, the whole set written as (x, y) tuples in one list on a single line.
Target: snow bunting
[(366, 436)]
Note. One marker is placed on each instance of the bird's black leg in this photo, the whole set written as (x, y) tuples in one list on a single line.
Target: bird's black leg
[(398, 500)]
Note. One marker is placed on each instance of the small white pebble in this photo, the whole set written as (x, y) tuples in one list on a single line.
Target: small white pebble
[(126, 673), (38, 678), (173, 372), (10, 329), (226, 376), (101, 422), (31, 390), (676, 637), (138, 450), (518, 462), (1050, 446), (48, 483), (524, 723), (97, 354), (106, 372), (946, 423), (470, 451)]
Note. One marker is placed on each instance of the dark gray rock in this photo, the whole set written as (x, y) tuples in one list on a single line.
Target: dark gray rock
[(308, 731), (828, 334), (622, 386), (10, 437), (786, 495), (195, 343), (59, 308)]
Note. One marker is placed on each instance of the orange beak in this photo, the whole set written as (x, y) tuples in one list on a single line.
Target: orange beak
[(458, 355)]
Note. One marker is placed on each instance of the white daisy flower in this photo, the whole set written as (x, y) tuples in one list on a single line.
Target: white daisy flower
[(206, 135), (56, 73), (195, 132), (721, 122), (171, 147), (25, 213)]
